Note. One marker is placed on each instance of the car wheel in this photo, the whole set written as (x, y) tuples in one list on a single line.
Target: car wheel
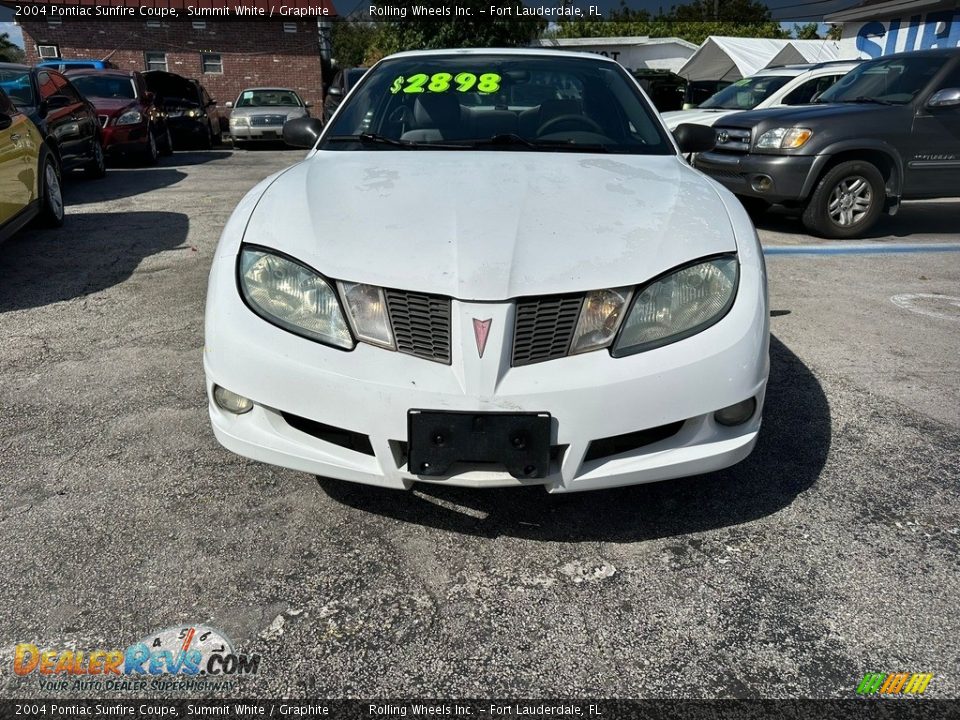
[(97, 167), (754, 206), (51, 195), (152, 153), (847, 202), (166, 147)]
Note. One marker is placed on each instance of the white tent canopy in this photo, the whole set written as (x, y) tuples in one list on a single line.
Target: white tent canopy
[(807, 51), (733, 58)]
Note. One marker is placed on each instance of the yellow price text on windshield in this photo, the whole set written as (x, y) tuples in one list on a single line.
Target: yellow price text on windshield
[(444, 82)]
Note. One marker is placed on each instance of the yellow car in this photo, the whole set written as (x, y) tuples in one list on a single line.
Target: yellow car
[(29, 173)]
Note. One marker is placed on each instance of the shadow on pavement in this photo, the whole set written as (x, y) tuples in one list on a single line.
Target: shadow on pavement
[(197, 157), (91, 252), (790, 453), (118, 184), (933, 218)]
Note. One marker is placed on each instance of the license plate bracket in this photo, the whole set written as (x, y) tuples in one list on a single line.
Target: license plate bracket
[(438, 439)]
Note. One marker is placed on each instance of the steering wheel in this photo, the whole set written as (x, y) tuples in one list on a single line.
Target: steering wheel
[(581, 120)]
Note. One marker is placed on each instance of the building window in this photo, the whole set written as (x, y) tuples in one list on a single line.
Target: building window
[(199, 25), (45, 52), (154, 23), (211, 63), (290, 27), (54, 22), (155, 60)]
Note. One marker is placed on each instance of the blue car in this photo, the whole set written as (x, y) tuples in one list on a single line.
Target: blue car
[(64, 65)]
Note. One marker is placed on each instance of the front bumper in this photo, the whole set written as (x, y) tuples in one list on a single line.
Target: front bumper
[(270, 132), (123, 139), (789, 173), (590, 396)]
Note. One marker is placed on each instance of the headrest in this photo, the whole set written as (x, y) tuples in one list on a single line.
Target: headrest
[(436, 110)]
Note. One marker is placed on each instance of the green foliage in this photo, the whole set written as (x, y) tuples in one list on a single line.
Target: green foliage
[(693, 22), (355, 43), (809, 31), (9, 52)]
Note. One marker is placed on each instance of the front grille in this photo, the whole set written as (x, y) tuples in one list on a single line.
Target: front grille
[(544, 328), (733, 140), (268, 120), (104, 119), (421, 324)]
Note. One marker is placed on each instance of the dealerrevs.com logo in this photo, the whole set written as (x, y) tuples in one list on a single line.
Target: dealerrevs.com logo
[(187, 651), (900, 683)]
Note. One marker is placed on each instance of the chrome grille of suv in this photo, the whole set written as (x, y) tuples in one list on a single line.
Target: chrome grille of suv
[(104, 119), (421, 324), (733, 140), (544, 328)]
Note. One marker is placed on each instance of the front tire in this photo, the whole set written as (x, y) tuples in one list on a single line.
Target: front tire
[(152, 153), (51, 195), (847, 202), (166, 147), (97, 167)]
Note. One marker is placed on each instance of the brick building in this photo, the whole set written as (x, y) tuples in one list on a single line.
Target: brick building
[(226, 56)]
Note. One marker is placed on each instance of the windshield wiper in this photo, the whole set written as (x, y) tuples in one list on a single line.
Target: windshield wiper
[(865, 99), (508, 139), (374, 139)]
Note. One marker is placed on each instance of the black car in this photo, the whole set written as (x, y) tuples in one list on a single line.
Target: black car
[(64, 117), (341, 84), (887, 131), (191, 114)]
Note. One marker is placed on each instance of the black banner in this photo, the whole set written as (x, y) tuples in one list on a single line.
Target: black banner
[(881, 708)]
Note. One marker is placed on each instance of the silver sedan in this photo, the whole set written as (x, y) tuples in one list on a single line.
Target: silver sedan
[(259, 114)]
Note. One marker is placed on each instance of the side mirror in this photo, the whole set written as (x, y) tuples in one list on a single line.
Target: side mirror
[(55, 102), (695, 138), (308, 105), (302, 132), (5, 121), (229, 103), (946, 98), (212, 103), (149, 97), (334, 91), (43, 109)]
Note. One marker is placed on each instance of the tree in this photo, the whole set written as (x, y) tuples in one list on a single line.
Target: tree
[(477, 30), (693, 22), (809, 31), (9, 52), (355, 42)]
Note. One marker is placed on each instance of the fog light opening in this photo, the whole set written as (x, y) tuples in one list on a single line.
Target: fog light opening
[(736, 414), (761, 183), (230, 401)]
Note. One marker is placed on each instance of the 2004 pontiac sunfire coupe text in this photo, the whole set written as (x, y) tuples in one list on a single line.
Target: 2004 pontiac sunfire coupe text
[(493, 268)]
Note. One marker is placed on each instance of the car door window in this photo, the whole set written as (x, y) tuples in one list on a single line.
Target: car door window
[(46, 85), (806, 91), (63, 87)]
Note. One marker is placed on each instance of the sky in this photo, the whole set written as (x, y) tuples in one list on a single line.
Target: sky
[(13, 31)]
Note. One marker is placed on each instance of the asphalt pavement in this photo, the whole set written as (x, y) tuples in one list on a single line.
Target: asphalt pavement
[(830, 552)]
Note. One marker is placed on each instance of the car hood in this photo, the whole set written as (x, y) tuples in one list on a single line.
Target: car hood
[(291, 111), (798, 114), (696, 116), (491, 225), (111, 106)]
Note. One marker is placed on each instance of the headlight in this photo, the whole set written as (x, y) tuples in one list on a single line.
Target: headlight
[(292, 296), (367, 310), (240, 122), (193, 113), (678, 305), (131, 117), (600, 317), (784, 138)]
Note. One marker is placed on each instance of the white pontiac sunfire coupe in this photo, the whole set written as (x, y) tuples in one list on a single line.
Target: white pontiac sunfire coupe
[(494, 267)]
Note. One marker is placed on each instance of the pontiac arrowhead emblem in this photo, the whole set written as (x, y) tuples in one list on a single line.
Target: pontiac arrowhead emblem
[(481, 331)]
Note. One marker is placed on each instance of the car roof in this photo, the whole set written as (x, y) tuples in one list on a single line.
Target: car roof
[(795, 70), (534, 52), (14, 66), (111, 72), (268, 89)]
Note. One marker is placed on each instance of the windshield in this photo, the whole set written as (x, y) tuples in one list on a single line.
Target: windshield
[(268, 98), (890, 80), (16, 83), (497, 101), (104, 86), (746, 94)]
